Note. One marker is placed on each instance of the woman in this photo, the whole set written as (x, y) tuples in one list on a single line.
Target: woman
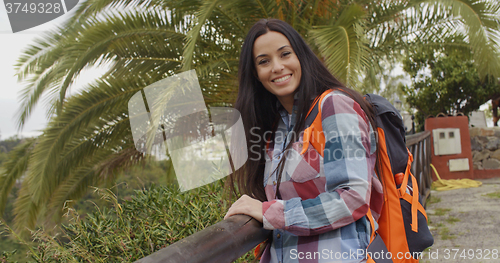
[(316, 206)]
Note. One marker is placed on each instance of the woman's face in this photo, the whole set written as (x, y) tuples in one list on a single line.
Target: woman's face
[(277, 66)]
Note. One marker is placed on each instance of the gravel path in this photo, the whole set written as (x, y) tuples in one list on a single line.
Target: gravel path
[(465, 224)]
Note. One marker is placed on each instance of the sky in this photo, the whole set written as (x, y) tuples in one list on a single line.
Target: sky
[(11, 47)]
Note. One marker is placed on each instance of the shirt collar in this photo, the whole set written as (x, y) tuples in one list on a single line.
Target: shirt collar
[(284, 113)]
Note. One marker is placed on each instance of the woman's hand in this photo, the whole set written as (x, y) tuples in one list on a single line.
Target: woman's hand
[(247, 206)]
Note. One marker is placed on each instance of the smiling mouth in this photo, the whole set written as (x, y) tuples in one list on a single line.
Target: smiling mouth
[(281, 79)]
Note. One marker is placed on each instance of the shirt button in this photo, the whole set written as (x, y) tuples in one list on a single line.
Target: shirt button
[(274, 182), (279, 157), (278, 235), (300, 145)]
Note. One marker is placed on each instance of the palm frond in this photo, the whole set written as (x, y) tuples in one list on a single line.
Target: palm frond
[(13, 169), (101, 168), (480, 20), (192, 37), (342, 44)]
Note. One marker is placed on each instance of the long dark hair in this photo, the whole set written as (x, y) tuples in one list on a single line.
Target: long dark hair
[(258, 106)]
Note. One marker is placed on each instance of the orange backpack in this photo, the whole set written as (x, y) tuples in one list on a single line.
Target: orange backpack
[(402, 232)]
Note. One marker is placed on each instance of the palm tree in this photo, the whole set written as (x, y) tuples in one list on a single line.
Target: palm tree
[(88, 137)]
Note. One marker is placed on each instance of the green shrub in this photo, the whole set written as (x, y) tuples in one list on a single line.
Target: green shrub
[(152, 219)]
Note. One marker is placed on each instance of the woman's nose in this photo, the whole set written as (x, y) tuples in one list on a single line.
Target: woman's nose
[(277, 67)]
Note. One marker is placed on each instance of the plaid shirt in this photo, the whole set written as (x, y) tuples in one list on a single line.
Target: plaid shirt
[(324, 200)]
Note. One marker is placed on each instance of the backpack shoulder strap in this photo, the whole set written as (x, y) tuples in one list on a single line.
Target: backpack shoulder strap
[(313, 112), (313, 129)]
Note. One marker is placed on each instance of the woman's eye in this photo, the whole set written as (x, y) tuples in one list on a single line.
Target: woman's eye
[(264, 61), (285, 54)]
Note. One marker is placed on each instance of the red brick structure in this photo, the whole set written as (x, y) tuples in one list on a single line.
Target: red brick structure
[(441, 161)]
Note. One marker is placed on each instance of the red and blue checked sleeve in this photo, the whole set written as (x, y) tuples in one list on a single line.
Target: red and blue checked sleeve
[(349, 161)]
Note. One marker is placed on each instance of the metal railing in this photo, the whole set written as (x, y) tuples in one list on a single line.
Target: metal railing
[(229, 239)]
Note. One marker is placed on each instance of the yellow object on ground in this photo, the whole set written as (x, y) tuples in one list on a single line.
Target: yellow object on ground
[(444, 185)]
